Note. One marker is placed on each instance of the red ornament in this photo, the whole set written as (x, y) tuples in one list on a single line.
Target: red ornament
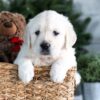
[(16, 40), (15, 48), (17, 43)]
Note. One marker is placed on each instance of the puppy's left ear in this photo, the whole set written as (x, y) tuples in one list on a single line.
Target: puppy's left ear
[(70, 37), (27, 37)]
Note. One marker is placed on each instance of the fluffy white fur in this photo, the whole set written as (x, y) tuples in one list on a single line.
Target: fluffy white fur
[(62, 54)]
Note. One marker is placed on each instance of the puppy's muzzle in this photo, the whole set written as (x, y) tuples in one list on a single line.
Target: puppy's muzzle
[(45, 48)]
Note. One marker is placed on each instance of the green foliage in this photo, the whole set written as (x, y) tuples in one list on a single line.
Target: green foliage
[(3, 6), (89, 68), (29, 8)]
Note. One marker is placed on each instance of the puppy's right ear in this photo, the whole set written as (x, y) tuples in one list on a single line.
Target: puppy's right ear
[(70, 37), (27, 37)]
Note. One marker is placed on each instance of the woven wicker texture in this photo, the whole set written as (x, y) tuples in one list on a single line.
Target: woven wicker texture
[(40, 88)]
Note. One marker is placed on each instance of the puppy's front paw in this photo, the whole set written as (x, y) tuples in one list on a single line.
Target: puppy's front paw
[(26, 71), (57, 77), (26, 75)]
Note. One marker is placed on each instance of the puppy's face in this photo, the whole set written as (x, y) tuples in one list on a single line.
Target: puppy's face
[(49, 33)]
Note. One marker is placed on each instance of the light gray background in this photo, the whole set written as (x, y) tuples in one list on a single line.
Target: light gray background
[(91, 8)]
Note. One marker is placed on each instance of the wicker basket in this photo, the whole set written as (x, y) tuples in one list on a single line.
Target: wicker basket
[(41, 88)]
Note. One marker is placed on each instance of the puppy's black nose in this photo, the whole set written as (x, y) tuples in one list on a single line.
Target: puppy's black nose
[(45, 45)]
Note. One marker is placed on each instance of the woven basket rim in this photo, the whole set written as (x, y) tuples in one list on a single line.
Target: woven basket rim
[(15, 66)]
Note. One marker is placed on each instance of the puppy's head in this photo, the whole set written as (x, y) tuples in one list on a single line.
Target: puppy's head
[(48, 33)]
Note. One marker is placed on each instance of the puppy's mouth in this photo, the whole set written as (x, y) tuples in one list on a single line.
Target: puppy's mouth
[(45, 52)]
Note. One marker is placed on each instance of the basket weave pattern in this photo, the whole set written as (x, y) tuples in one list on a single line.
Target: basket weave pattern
[(40, 88)]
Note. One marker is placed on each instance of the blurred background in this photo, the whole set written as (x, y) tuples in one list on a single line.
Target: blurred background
[(85, 17)]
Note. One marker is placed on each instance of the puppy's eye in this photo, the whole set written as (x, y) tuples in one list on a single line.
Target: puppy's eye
[(37, 32), (55, 33)]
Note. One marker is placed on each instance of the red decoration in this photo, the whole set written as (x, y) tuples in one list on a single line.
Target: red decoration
[(17, 42), (15, 48)]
